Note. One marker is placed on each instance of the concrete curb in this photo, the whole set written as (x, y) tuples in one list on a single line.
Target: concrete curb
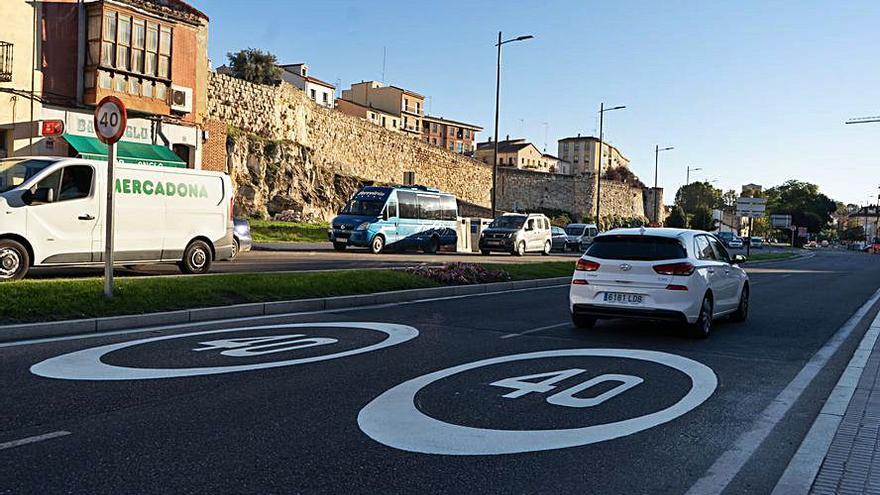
[(799, 257), (111, 323)]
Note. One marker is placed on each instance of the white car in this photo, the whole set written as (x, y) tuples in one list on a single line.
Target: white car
[(679, 275)]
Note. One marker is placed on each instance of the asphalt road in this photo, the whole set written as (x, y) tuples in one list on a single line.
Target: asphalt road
[(285, 261), (419, 416)]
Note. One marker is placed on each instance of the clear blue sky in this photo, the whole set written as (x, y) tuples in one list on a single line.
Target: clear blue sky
[(751, 91)]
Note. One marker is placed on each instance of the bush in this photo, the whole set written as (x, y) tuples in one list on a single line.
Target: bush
[(459, 274)]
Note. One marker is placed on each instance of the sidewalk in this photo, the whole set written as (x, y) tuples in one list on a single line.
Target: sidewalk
[(292, 246), (841, 452)]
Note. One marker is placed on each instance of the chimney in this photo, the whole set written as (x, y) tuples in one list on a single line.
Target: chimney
[(579, 134), (507, 138)]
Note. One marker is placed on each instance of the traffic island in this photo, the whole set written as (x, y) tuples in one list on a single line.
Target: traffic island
[(41, 308)]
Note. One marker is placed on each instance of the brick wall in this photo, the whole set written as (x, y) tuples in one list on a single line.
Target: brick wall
[(214, 150)]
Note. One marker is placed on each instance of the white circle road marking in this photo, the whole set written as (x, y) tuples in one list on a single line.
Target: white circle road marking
[(393, 419), (87, 365)]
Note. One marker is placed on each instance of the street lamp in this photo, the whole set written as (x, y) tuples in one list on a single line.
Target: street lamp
[(657, 150), (688, 180), (602, 111), (497, 102)]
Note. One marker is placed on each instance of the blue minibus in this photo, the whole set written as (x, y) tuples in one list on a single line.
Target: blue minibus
[(398, 217)]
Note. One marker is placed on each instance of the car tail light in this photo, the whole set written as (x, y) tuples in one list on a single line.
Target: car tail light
[(586, 266), (675, 269), (579, 281), (676, 287)]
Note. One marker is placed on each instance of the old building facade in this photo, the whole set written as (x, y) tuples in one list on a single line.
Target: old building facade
[(320, 92), (583, 151), (151, 54), (516, 153), (406, 105)]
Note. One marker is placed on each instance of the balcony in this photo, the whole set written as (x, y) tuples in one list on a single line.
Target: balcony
[(412, 110), (5, 61)]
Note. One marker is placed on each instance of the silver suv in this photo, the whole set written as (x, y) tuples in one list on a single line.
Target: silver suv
[(580, 236), (517, 234)]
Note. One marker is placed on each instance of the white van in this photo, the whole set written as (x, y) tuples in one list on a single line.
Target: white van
[(52, 214)]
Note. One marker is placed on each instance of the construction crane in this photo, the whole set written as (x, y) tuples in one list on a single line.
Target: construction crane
[(863, 120)]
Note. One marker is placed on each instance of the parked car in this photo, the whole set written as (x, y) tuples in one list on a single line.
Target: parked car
[(678, 275), (241, 236), (558, 238), (517, 234), (756, 243), (53, 215), (730, 240), (580, 235)]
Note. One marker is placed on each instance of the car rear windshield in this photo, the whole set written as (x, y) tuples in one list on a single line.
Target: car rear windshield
[(636, 248)]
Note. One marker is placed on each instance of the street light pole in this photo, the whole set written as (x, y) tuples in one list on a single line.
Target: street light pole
[(598, 160), (688, 179), (497, 110), (657, 151)]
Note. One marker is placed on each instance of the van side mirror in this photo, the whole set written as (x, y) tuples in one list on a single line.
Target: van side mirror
[(385, 214), (43, 195), (738, 258)]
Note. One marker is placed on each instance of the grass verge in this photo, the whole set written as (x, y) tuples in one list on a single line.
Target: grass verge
[(51, 300), (272, 231), (771, 256)]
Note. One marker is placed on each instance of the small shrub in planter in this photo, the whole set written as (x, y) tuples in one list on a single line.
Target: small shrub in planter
[(460, 274)]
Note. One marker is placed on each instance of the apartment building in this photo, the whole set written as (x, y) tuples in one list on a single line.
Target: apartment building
[(455, 136), (322, 93), (151, 54), (20, 81), (371, 115), (407, 106), (557, 165), (582, 152), (517, 153)]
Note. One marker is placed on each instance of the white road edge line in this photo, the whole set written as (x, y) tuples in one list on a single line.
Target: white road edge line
[(731, 462), (34, 439), (804, 466), (539, 329), (262, 317)]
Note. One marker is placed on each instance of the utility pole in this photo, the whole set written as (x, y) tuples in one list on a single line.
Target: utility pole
[(598, 160), (657, 151), (497, 108)]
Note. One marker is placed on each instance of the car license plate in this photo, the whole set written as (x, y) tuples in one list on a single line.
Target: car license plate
[(493, 242), (623, 298)]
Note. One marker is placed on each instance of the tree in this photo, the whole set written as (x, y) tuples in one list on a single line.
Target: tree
[(676, 219), (856, 233), (255, 65), (623, 174), (698, 195), (761, 227), (729, 198), (807, 206), (702, 219)]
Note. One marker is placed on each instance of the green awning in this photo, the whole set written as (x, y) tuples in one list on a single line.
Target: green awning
[(126, 152)]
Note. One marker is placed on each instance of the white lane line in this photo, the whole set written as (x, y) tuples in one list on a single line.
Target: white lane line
[(264, 317), (804, 466), (731, 462), (539, 329), (38, 438)]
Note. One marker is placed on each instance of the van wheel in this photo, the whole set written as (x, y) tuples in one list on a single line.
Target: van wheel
[(520, 249), (547, 248), (196, 258), (14, 260), (432, 247), (377, 245)]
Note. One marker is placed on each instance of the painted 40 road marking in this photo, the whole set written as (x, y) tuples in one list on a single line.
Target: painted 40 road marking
[(567, 397)]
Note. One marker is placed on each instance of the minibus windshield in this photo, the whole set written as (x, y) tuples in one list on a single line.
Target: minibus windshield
[(15, 171)]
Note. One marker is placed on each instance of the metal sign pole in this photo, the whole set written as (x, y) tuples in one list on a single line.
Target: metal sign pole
[(108, 220)]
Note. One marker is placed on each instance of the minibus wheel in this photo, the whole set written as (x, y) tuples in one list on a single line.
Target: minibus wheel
[(377, 245), (14, 260), (196, 258), (432, 246)]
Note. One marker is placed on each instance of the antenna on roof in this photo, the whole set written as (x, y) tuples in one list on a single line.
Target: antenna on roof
[(383, 65)]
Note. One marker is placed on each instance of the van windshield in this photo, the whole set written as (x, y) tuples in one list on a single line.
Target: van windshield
[(15, 171), (362, 207), (575, 230), (508, 222)]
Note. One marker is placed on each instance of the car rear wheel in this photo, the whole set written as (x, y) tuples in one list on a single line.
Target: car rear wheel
[(701, 328), (340, 246), (14, 260), (583, 321), (196, 258), (742, 311), (547, 248), (520, 249), (378, 244)]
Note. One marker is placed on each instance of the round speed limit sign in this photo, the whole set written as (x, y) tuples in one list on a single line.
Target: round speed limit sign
[(110, 119)]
